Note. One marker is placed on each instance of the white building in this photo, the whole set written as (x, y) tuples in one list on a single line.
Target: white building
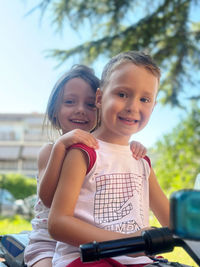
[(21, 137)]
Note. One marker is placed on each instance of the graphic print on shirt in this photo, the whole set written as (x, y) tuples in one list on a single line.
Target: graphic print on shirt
[(117, 200)]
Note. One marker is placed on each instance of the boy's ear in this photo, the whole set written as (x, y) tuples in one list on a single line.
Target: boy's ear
[(98, 98)]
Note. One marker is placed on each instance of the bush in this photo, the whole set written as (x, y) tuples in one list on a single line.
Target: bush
[(20, 186)]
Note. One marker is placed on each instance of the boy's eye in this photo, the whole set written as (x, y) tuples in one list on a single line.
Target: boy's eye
[(145, 100), (122, 94)]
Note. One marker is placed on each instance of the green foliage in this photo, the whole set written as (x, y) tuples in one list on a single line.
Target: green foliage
[(166, 29), (178, 154), (20, 186), (14, 225)]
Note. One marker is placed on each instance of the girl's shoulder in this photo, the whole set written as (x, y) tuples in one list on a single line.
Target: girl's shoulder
[(44, 153), (46, 148)]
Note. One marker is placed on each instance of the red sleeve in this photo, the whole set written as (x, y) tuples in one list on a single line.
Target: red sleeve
[(148, 160), (90, 152)]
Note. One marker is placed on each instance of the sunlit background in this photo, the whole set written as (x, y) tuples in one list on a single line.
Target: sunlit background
[(27, 75)]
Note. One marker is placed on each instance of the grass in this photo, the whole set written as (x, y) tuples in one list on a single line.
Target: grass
[(14, 225), (178, 254), (17, 224)]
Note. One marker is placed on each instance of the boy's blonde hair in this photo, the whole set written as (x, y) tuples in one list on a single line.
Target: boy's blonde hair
[(136, 57)]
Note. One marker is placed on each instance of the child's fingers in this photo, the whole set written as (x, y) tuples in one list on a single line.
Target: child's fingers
[(93, 143), (135, 148), (140, 153), (138, 150), (88, 140), (78, 136), (144, 152)]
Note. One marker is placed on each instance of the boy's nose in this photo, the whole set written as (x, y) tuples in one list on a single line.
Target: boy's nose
[(132, 105)]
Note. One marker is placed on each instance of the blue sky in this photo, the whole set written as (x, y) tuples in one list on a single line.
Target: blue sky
[(27, 76)]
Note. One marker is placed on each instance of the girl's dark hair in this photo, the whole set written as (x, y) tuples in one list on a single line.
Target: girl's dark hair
[(55, 98)]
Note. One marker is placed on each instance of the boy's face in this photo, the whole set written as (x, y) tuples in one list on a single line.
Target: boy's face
[(126, 102)]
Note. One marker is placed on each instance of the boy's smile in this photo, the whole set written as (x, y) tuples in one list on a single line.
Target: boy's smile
[(126, 102), (127, 120)]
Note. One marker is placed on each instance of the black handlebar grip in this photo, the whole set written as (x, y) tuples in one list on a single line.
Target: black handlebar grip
[(98, 250), (157, 240)]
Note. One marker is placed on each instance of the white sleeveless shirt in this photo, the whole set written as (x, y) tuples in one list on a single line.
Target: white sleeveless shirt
[(114, 196)]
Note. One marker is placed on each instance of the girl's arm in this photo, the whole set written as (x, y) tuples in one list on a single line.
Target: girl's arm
[(62, 224), (51, 158), (159, 203), (50, 161)]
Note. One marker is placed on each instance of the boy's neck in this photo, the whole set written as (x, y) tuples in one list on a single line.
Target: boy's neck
[(118, 140)]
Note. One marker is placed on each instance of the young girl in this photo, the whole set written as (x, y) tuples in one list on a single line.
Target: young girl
[(71, 110), (105, 194)]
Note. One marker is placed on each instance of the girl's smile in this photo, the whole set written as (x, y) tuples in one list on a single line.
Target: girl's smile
[(78, 106)]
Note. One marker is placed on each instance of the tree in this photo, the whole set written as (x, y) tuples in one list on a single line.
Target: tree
[(177, 155), (164, 28)]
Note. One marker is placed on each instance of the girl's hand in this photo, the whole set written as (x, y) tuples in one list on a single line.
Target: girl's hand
[(138, 150), (77, 136)]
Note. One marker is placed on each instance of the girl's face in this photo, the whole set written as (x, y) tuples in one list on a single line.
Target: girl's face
[(126, 103), (77, 109)]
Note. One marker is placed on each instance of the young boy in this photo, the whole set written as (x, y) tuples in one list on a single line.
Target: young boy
[(106, 194)]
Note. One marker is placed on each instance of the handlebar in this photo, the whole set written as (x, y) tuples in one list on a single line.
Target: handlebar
[(151, 242)]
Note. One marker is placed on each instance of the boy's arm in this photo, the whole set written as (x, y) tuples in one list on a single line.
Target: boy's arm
[(138, 150), (62, 223), (51, 158), (159, 203)]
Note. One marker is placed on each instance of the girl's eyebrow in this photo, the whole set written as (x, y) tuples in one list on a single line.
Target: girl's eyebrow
[(74, 95), (69, 94), (92, 97)]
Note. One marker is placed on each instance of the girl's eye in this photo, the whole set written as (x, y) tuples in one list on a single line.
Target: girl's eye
[(91, 105), (145, 100), (69, 101), (122, 95)]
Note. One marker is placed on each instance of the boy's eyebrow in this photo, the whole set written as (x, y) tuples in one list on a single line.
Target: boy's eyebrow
[(148, 93), (118, 87), (128, 88)]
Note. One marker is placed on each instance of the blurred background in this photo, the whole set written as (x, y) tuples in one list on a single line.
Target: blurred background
[(42, 39)]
